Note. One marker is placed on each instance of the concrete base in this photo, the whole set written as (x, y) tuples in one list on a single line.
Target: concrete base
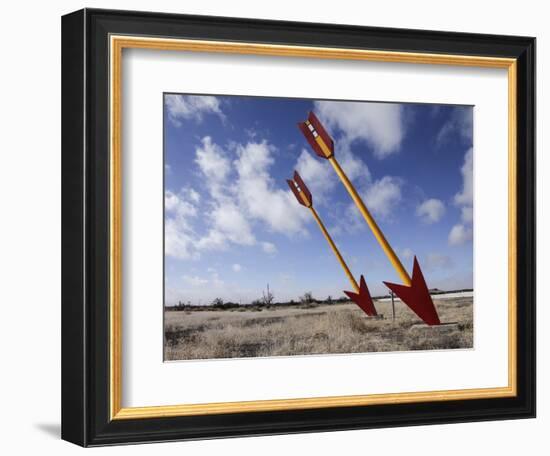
[(377, 317), (443, 327)]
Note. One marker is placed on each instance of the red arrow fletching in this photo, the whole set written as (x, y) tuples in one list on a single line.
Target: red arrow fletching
[(310, 139), (319, 130), (295, 191), (302, 186), (298, 186), (313, 120)]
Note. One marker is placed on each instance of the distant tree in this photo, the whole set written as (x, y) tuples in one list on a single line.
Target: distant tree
[(217, 302), (307, 298), (267, 297), (329, 299)]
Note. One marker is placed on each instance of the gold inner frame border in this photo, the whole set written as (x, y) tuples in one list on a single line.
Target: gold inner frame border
[(116, 46)]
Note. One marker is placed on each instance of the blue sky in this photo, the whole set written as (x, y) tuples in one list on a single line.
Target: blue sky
[(232, 225)]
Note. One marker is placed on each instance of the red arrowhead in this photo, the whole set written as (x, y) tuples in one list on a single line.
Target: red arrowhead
[(417, 296), (363, 298)]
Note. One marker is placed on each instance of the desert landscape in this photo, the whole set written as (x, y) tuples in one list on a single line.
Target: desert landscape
[(259, 330)]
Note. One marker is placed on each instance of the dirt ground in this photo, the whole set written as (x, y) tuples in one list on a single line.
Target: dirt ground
[(313, 329)]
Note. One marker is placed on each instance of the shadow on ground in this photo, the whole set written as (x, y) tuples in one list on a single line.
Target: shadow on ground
[(51, 429)]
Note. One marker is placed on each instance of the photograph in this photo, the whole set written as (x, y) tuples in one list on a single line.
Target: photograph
[(298, 226)]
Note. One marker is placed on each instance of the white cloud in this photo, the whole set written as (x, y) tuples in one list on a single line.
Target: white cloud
[(213, 281), (191, 107), (212, 161), (193, 195), (466, 196), (467, 214), (381, 125), (431, 210), (228, 219), (321, 178), (178, 205), (194, 281), (353, 166), (233, 207), (251, 133), (213, 240), (460, 122), (460, 234), (318, 175), (236, 267), (228, 223), (352, 222), (269, 248), (178, 241), (253, 158), (260, 197), (407, 253), (438, 261), (383, 196), (179, 236)]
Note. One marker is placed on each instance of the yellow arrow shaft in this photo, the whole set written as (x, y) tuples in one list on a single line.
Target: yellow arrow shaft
[(335, 249), (386, 247)]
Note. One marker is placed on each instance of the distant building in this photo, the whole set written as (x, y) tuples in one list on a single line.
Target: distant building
[(435, 291)]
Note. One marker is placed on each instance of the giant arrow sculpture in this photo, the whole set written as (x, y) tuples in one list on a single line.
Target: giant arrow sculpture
[(413, 292), (362, 295)]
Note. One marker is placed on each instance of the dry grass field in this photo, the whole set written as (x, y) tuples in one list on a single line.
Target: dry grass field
[(312, 329)]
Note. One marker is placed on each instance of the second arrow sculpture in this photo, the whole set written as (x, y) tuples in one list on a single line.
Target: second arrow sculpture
[(362, 295), (412, 293)]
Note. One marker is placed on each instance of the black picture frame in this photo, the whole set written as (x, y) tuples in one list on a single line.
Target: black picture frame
[(85, 228)]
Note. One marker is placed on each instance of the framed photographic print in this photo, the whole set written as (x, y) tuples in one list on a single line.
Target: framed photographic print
[(278, 227)]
